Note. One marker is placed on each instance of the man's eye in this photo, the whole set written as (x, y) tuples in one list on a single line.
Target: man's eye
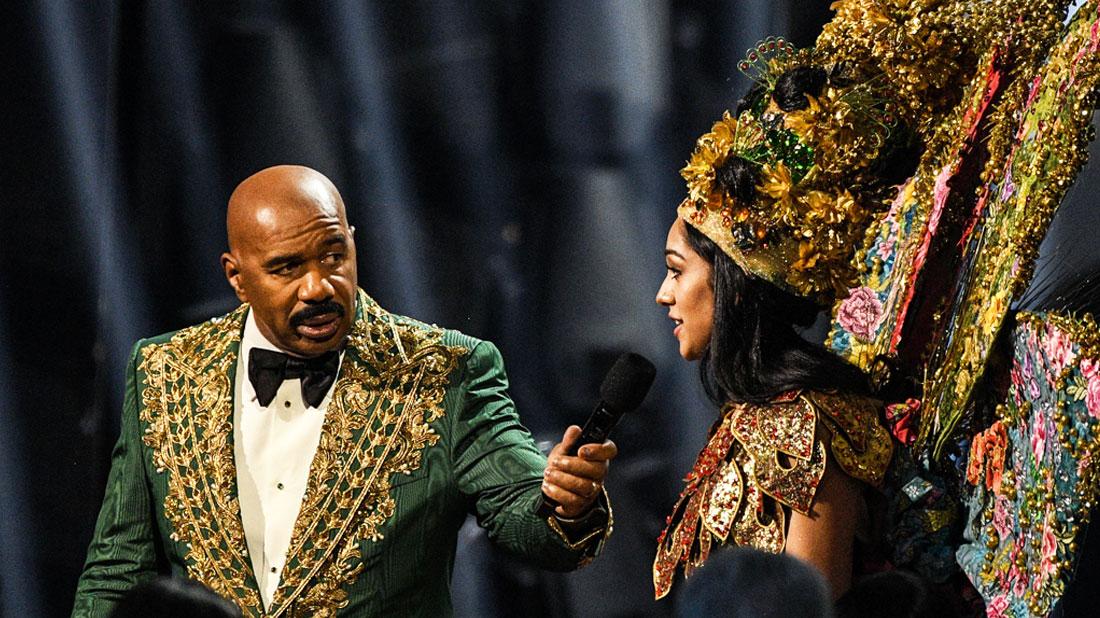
[(285, 269), (333, 259)]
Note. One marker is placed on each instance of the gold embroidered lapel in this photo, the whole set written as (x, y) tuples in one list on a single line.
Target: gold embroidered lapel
[(391, 386), (389, 390), (187, 407)]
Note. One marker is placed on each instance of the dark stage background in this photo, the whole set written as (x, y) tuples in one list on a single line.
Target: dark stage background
[(511, 167)]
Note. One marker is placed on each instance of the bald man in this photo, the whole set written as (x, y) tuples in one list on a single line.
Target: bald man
[(310, 453)]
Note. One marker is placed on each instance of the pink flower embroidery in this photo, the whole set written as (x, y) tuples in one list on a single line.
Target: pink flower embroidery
[(1092, 396), (1059, 350), (1089, 367), (1031, 384), (1039, 439), (997, 607), (1049, 551), (860, 313), (1000, 518), (1018, 581), (940, 192), (1017, 384)]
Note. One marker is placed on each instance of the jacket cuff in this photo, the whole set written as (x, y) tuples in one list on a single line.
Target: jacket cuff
[(586, 533)]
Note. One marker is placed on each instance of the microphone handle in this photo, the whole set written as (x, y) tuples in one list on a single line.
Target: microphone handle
[(597, 427), (595, 431)]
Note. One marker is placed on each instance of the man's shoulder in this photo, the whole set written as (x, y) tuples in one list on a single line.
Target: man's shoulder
[(200, 335), (460, 339), (433, 332)]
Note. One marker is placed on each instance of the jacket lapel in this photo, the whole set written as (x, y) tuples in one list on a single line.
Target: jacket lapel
[(389, 389), (188, 409)]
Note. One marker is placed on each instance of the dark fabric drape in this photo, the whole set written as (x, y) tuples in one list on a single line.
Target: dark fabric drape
[(511, 168)]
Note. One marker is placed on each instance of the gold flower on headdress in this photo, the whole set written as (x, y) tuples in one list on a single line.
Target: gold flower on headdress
[(810, 123), (776, 183), (729, 136)]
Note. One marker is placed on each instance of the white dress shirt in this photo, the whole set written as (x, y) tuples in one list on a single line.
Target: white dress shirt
[(273, 447)]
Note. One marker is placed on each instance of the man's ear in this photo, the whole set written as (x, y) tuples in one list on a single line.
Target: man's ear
[(233, 275)]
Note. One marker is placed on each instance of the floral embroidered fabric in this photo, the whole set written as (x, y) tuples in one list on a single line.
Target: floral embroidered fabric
[(1031, 470), (760, 460)]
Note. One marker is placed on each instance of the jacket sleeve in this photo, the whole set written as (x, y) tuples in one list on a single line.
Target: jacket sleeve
[(499, 469), (122, 552)]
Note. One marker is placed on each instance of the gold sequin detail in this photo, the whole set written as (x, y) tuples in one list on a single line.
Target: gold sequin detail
[(859, 443), (760, 459)]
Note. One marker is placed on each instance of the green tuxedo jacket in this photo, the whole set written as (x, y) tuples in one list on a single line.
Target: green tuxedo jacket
[(420, 431)]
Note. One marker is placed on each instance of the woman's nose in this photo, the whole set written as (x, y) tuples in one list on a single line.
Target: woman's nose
[(664, 297)]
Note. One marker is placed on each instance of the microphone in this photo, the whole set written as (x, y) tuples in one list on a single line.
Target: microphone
[(622, 390)]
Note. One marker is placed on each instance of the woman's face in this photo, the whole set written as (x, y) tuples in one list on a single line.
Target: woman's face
[(687, 293)]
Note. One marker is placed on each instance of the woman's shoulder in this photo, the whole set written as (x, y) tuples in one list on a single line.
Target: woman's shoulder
[(848, 425)]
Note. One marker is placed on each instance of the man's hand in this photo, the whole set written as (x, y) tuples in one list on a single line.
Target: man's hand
[(575, 482)]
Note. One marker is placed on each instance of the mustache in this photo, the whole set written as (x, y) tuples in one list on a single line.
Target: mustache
[(313, 311)]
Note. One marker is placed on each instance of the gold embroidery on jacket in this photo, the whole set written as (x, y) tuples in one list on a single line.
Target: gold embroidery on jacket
[(387, 394), (188, 408)]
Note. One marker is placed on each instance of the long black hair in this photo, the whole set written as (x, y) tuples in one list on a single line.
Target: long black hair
[(755, 351)]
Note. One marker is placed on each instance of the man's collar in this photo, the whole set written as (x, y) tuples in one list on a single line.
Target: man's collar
[(253, 337)]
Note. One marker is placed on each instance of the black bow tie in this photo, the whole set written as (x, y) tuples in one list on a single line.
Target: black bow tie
[(267, 370)]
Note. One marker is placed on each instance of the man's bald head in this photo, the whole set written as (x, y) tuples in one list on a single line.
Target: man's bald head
[(292, 256), (262, 199)]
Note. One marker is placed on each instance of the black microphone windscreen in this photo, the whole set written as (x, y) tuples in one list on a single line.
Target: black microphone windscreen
[(627, 383)]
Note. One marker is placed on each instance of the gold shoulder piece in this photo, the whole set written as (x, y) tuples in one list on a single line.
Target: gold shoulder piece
[(859, 442), (788, 460)]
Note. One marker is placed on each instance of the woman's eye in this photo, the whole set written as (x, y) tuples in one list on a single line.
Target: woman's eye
[(674, 273)]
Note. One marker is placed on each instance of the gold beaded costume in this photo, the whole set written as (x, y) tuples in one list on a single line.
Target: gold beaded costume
[(996, 96), (760, 461)]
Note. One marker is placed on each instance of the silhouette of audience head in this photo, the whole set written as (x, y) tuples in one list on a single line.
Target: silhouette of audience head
[(168, 597), (743, 582), (893, 594)]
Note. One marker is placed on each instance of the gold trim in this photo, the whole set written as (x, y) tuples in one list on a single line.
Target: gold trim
[(390, 388), (188, 412)]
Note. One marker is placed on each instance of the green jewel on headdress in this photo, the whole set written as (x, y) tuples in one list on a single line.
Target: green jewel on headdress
[(891, 70), (798, 229)]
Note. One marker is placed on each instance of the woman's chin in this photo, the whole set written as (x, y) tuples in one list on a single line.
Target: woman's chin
[(689, 355)]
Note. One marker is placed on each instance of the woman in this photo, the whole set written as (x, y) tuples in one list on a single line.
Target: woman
[(779, 198), (750, 355)]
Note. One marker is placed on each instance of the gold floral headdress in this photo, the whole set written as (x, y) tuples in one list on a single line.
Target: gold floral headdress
[(893, 67)]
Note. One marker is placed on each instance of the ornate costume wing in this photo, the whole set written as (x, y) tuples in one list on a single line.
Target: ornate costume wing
[(939, 278)]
